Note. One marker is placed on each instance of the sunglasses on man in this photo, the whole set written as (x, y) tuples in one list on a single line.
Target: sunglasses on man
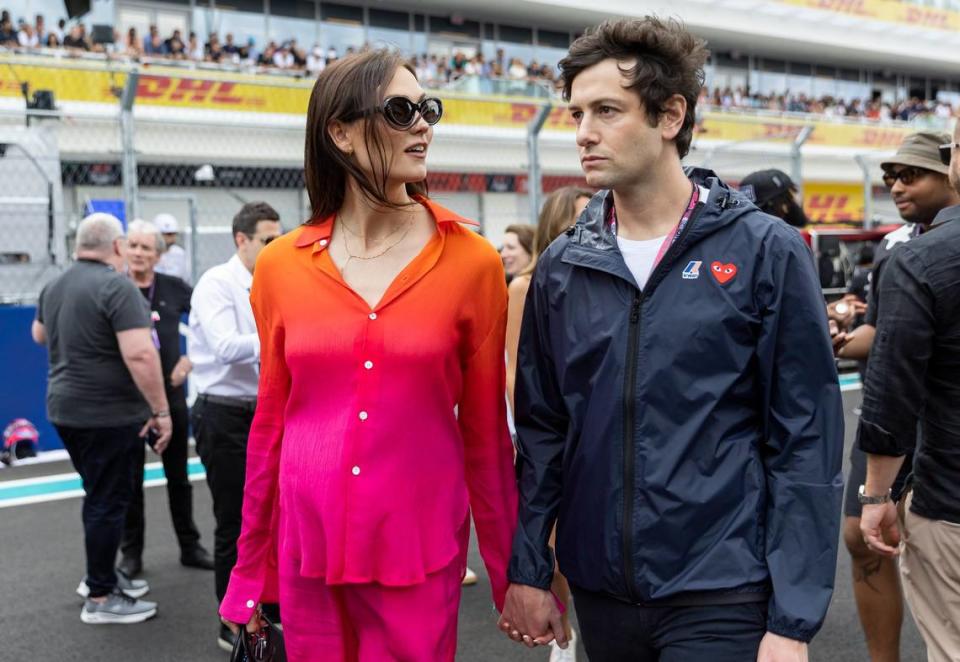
[(908, 176), (946, 151), (401, 113)]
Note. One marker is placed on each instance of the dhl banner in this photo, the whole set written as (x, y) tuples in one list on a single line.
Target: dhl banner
[(889, 11), (831, 202), (246, 93)]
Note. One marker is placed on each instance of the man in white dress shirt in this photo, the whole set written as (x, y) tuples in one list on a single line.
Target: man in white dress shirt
[(225, 351)]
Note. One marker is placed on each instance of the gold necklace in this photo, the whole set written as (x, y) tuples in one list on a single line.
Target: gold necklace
[(356, 234), (351, 256)]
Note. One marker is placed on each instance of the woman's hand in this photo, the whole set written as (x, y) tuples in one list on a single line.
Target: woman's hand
[(180, 372), (253, 625)]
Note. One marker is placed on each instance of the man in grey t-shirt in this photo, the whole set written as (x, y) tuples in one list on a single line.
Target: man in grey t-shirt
[(105, 394)]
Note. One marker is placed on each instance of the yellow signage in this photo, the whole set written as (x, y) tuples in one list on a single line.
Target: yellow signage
[(170, 88), (831, 202), (889, 11)]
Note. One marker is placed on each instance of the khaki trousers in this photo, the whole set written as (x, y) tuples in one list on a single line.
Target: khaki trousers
[(930, 569)]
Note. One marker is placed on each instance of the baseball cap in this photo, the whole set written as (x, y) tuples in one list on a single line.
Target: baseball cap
[(765, 185), (166, 223), (921, 150)]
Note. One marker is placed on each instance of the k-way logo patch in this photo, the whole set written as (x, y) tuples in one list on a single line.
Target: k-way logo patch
[(692, 270)]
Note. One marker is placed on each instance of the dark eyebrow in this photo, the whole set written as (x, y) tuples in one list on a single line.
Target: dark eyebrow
[(596, 103)]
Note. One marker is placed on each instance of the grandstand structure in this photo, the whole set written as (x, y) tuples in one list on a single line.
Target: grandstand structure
[(200, 135)]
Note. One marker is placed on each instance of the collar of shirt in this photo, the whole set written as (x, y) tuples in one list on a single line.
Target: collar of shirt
[(951, 213), (318, 235), (240, 272)]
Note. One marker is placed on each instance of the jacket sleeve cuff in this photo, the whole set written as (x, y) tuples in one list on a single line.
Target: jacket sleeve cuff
[(797, 632), (518, 578)]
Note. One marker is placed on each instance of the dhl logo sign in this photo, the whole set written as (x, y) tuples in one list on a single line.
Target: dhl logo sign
[(888, 12), (219, 94), (828, 202)]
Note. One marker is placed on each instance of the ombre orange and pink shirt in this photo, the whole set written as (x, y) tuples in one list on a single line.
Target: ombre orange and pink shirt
[(377, 430)]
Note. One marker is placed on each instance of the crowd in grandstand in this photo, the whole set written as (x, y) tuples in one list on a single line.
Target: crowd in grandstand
[(432, 69), (908, 110)]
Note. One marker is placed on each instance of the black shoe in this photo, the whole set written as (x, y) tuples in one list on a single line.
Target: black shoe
[(226, 639), (196, 557), (130, 566)]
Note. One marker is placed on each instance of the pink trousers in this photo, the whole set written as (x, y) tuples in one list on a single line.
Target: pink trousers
[(370, 622)]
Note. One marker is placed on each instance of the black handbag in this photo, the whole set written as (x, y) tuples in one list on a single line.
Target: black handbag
[(264, 645)]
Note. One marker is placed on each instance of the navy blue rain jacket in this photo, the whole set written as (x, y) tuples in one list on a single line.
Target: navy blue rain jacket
[(704, 412)]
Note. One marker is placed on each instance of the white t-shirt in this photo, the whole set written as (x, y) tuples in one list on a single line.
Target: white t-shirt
[(640, 256)]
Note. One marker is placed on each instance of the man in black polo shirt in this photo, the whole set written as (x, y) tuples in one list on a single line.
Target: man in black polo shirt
[(104, 394), (168, 298)]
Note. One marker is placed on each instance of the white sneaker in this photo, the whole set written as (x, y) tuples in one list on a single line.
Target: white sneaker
[(469, 578), (558, 654), (135, 588)]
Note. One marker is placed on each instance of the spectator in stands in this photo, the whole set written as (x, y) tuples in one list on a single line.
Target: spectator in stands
[(249, 53), (133, 46), (105, 381), (517, 71), (60, 30), (153, 43), (266, 57), (195, 49), (175, 47), (52, 40), (214, 49), (283, 58), (168, 298), (27, 38), (8, 35), (230, 49), (315, 60), (76, 39), (40, 28)]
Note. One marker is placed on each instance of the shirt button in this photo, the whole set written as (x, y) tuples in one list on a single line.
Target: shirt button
[(368, 365), (323, 242), (355, 471), (363, 416), (251, 604), (373, 316)]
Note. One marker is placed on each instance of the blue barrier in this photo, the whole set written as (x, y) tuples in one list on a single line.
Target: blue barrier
[(24, 365)]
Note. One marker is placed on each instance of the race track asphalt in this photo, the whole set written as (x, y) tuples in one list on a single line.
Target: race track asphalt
[(41, 562)]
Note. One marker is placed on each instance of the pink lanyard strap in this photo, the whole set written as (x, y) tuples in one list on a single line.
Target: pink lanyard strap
[(674, 234)]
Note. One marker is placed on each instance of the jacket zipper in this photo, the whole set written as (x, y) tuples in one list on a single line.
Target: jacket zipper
[(629, 405)]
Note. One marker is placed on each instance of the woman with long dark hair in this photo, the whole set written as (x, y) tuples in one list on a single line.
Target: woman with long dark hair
[(381, 419)]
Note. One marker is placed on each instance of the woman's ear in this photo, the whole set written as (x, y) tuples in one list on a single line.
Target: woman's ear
[(340, 136)]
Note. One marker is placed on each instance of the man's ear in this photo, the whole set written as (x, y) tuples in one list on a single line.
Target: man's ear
[(338, 133), (672, 116)]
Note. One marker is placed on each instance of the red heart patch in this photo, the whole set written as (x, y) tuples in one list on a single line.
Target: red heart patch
[(723, 272)]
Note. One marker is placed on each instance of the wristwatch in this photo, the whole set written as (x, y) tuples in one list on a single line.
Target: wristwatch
[(871, 500)]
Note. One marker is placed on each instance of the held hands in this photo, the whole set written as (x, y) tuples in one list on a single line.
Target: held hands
[(846, 310), (878, 524), (530, 615), (774, 648)]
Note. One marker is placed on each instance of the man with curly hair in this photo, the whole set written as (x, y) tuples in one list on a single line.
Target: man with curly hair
[(677, 406)]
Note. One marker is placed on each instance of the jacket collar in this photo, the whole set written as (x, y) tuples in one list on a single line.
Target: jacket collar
[(946, 214), (318, 234)]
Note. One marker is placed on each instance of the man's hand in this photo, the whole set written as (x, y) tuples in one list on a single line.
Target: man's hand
[(881, 532), (180, 372), (845, 311), (530, 615), (774, 648), (163, 427), (837, 337)]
